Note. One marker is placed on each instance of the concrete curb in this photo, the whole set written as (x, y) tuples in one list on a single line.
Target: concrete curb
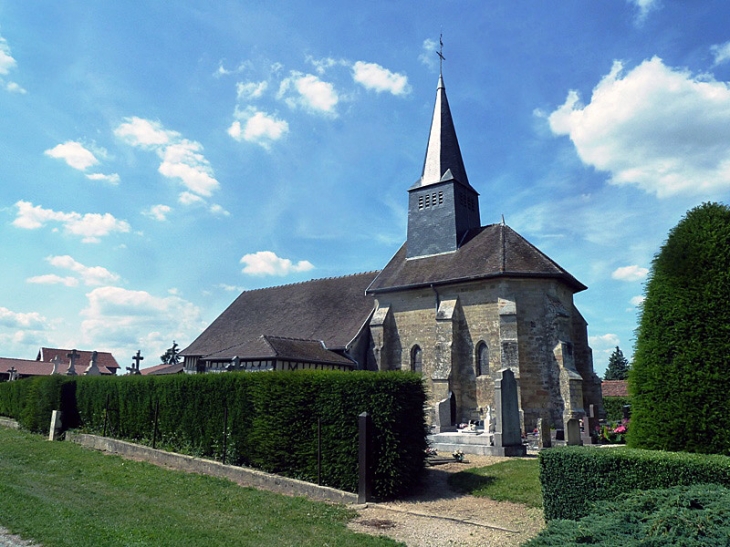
[(240, 475), (9, 422)]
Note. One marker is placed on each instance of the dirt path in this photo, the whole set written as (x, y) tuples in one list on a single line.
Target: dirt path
[(437, 516)]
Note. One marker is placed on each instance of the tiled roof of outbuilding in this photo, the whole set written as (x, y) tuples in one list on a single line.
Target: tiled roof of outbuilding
[(331, 310), (25, 367), (615, 388), (495, 250), (159, 370)]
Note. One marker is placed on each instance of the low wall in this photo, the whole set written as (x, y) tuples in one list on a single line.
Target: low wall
[(240, 475), (9, 422)]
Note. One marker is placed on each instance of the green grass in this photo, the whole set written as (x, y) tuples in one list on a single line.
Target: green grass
[(60, 494), (516, 480)]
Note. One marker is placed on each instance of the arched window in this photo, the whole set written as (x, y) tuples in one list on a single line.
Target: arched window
[(416, 359), (482, 359)]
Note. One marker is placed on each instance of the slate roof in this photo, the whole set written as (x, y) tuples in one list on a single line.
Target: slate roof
[(104, 360), (331, 311), (491, 251), (287, 349), (615, 388)]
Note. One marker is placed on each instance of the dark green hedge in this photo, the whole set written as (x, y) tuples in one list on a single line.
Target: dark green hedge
[(574, 477), (614, 407), (689, 516), (272, 419)]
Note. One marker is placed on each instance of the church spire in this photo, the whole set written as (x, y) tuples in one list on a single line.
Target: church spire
[(443, 156)]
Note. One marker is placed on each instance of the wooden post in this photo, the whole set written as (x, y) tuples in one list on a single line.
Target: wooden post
[(365, 473), (154, 430), (106, 415), (225, 432), (319, 451)]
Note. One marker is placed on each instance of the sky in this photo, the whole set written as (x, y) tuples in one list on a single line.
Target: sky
[(158, 158)]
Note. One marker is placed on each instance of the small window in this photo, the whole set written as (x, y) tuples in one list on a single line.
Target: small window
[(482, 359), (433, 199), (416, 359), (441, 198), (428, 200), (420, 202)]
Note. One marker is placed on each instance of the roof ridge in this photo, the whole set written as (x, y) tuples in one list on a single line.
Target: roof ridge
[(294, 284), (267, 336)]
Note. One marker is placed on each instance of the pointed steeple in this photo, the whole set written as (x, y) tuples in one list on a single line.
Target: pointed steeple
[(442, 205), (443, 156)]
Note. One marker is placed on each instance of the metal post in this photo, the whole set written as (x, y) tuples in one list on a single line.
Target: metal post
[(319, 451), (225, 432), (154, 431), (365, 473)]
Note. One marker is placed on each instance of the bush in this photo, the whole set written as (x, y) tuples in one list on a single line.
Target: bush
[(697, 515), (614, 407), (680, 380), (573, 477), (269, 421)]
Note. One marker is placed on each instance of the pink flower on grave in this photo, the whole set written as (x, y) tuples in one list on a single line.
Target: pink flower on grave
[(620, 429)]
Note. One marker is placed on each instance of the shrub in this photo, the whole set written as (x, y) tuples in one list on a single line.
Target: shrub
[(573, 477), (680, 380), (614, 407), (697, 515)]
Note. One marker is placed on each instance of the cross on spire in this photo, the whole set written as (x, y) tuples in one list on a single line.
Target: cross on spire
[(440, 53)]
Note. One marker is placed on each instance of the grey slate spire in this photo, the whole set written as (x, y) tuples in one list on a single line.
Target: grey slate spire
[(442, 205)]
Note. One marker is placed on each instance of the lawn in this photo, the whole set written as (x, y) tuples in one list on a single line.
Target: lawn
[(60, 494), (516, 480)]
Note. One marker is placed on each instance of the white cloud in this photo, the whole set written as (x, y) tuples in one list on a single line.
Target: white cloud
[(74, 154), (117, 317), (158, 212), (188, 198), (630, 273), (181, 158), (90, 275), (219, 210), (603, 341), (6, 59), (321, 65), (428, 54), (257, 127), (657, 127), (14, 87), (374, 76), (140, 132), (250, 90), (721, 52), (53, 279), (307, 91), (14, 320), (267, 263), (637, 300), (90, 226), (645, 6), (111, 179)]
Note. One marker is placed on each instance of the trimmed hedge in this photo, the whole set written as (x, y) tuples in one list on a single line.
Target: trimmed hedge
[(614, 407), (272, 419), (573, 477)]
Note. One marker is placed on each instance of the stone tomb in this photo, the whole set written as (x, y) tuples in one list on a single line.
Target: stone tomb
[(507, 438)]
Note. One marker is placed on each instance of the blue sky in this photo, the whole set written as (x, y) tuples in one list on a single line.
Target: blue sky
[(158, 158)]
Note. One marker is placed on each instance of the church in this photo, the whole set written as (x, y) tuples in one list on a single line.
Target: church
[(457, 303)]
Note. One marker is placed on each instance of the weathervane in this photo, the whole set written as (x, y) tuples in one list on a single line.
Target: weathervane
[(440, 53)]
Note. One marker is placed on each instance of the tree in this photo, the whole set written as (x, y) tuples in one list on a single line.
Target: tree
[(618, 366), (171, 356), (680, 379)]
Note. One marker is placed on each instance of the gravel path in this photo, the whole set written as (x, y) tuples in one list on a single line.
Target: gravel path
[(437, 516), (7, 540)]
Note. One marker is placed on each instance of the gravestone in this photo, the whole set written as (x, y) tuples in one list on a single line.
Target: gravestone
[(572, 432), (55, 428), (543, 433), (508, 435), (92, 369), (56, 363), (589, 426), (71, 370), (442, 415)]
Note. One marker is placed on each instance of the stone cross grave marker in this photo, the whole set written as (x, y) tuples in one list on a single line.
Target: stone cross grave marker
[(71, 371), (92, 369), (56, 364), (134, 369)]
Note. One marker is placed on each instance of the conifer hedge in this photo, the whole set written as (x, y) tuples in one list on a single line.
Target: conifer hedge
[(680, 380), (574, 478), (614, 407), (266, 420)]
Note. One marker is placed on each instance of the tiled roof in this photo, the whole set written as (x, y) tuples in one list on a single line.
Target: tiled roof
[(491, 251), (277, 347), (104, 360), (24, 367), (162, 369), (615, 388), (331, 311)]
